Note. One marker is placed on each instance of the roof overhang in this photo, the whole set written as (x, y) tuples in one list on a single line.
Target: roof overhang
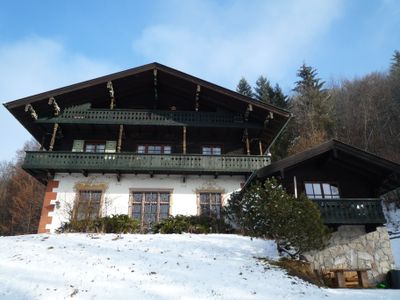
[(141, 79)]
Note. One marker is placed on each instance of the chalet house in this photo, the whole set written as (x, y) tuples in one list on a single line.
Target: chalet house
[(152, 142), (148, 142), (346, 183)]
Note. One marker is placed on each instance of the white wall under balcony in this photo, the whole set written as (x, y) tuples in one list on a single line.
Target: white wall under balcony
[(116, 196)]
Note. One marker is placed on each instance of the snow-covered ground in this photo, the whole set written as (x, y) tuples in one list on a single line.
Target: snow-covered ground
[(392, 215), (81, 266)]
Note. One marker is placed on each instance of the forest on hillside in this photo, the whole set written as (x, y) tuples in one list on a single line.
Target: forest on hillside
[(363, 112)]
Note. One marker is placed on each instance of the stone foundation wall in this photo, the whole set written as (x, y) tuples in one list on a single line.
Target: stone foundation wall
[(350, 247)]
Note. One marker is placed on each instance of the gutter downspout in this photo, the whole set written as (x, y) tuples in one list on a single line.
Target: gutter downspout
[(254, 174), (279, 133)]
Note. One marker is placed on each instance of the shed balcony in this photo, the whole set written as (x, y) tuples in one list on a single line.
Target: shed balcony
[(351, 211), (39, 161)]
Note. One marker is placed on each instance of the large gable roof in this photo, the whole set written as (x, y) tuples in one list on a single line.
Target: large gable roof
[(139, 81)]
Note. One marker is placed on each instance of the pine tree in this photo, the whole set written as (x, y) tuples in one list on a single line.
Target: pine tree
[(308, 80), (312, 109), (263, 90), (395, 66), (279, 99), (244, 88)]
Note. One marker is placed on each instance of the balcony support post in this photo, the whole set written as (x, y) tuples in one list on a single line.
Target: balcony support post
[(261, 147), (197, 98), (246, 137), (121, 130), (155, 87), (184, 140), (112, 94), (53, 137)]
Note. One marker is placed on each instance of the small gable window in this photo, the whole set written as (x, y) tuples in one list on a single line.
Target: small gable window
[(95, 147), (211, 150), (154, 149), (321, 190)]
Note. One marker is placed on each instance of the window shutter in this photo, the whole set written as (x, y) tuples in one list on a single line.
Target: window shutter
[(78, 146), (111, 146)]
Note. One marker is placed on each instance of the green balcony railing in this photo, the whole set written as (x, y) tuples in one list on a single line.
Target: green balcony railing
[(351, 211), (142, 163), (150, 117)]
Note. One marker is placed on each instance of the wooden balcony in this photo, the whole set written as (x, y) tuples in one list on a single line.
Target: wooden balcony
[(351, 211), (150, 117), (37, 161)]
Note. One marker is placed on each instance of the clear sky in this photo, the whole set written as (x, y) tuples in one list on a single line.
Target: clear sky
[(48, 44)]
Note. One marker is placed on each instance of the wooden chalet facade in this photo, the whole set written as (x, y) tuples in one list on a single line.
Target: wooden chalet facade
[(149, 142), (345, 182)]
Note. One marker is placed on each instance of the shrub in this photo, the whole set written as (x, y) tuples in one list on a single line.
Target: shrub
[(109, 224), (192, 224), (266, 210)]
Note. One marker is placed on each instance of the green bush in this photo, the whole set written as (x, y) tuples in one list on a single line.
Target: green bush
[(192, 224), (109, 224), (266, 210)]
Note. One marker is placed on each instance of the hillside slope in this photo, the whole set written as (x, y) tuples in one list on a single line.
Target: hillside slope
[(185, 266)]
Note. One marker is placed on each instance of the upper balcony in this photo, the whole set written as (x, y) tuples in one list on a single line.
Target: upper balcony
[(351, 211), (85, 115), (39, 161)]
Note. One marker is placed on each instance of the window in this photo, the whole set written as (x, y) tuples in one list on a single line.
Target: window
[(211, 150), (87, 205), (95, 147), (150, 207), (319, 190), (210, 204), (154, 149)]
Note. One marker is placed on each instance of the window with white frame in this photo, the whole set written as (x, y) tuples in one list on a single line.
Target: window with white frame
[(149, 207), (321, 190), (211, 150), (87, 204), (154, 149), (210, 204)]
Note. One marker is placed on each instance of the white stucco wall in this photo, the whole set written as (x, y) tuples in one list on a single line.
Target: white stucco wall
[(116, 197)]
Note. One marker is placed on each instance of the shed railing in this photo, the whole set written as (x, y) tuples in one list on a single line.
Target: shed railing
[(351, 210)]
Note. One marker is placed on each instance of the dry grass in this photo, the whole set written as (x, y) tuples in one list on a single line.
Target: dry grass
[(299, 269)]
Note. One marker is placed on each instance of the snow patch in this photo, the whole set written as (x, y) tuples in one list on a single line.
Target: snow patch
[(186, 266)]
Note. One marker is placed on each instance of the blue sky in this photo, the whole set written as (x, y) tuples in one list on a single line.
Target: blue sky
[(48, 44)]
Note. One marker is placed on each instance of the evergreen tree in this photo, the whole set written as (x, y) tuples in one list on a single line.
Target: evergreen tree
[(308, 80), (267, 210), (312, 109), (244, 88), (263, 90), (279, 99), (395, 66)]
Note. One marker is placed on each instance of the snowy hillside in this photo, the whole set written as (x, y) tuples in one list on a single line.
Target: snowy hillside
[(392, 215), (185, 266)]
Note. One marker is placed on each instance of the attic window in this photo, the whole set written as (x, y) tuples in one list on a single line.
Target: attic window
[(154, 149), (321, 190), (211, 150), (95, 147)]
